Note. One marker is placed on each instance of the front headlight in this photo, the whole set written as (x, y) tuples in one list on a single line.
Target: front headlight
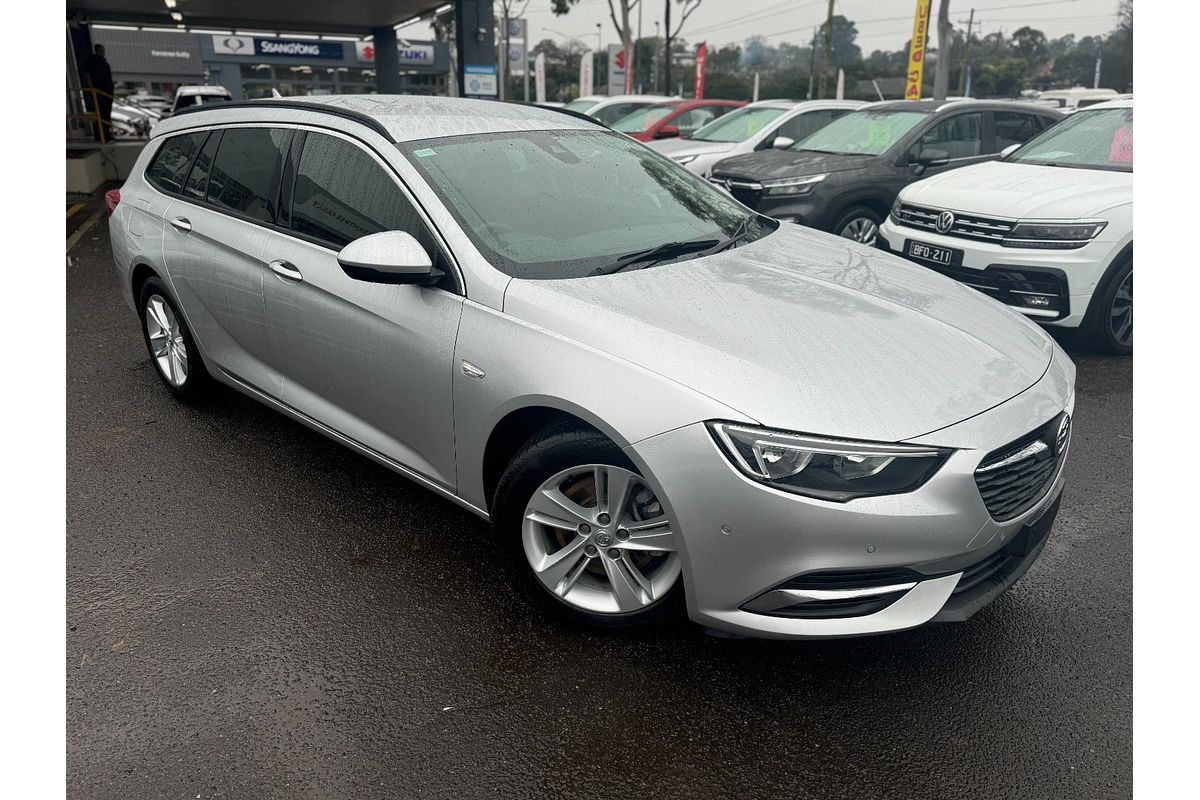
[(896, 209), (792, 185), (683, 159), (1053, 235), (829, 469)]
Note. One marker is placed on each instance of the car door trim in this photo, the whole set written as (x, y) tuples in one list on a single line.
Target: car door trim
[(333, 433)]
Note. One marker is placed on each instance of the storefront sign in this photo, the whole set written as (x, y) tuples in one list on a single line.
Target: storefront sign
[(296, 48), (412, 54), (480, 80), (616, 70), (133, 53)]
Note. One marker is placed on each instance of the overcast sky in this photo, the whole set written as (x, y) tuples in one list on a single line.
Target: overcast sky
[(882, 24)]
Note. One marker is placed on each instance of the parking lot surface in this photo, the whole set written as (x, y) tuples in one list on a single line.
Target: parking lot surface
[(254, 611)]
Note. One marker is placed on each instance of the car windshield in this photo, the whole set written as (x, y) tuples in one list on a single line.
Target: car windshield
[(567, 204), (738, 126), (642, 119), (861, 132), (1099, 139), (580, 105)]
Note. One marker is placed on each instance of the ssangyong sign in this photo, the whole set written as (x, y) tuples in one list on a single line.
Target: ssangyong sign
[(293, 48)]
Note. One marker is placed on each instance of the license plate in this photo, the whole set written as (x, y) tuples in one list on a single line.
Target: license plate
[(929, 252)]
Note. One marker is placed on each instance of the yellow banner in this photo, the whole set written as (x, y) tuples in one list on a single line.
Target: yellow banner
[(916, 53)]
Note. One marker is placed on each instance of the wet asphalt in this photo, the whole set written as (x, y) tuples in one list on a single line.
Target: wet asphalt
[(254, 611)]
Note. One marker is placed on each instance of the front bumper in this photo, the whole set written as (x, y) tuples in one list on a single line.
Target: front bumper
[(1064, 279), (741, 539)]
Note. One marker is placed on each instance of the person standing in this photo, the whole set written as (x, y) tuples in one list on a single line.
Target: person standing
[(97, 74)]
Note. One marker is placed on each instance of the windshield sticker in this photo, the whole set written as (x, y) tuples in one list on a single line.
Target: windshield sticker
[(425, 152), (1122, 146)]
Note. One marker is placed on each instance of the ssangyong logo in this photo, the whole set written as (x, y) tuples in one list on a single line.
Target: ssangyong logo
[(945, 221), (234, 43)]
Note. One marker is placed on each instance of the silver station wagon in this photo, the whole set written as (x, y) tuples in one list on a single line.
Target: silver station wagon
[(660, 399)]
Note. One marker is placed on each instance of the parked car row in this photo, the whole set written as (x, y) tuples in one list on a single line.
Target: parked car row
[(1015, 199), (135, 114)]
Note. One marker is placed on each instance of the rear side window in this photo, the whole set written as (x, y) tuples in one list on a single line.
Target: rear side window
[(343, 194), (802, 125), (961, 136), (170, 164), (697, 118), (1013, 128), (245, 174), (197, 183)]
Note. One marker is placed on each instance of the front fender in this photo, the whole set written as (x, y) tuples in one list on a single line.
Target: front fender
[(525, 366)]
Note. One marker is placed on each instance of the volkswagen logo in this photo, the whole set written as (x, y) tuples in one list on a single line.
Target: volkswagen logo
[(1063, 436), (944, 221)]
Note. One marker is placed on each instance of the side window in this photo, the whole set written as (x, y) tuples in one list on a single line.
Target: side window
[(1013, 128), (961, 136), (167, 169), (245, 175), (197, 182), (613, 113), (343, 194), (692, 120), (801, 125)]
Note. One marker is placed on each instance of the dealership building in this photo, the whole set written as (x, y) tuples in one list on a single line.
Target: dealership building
[(156, 61)]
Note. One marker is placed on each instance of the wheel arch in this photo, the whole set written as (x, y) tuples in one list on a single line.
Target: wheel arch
[(872, 200), (141, 273)]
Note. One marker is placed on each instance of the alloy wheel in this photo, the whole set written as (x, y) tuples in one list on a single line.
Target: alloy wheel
[(1120, 314), (598, 538), (861, 229), (166, 341)]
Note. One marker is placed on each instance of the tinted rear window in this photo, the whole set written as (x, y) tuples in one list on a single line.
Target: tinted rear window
[(245, 175), (169, 166)]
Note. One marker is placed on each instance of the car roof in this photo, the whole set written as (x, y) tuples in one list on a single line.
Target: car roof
[(929, 106), (182, 90), (1122, 101), (401, 118)]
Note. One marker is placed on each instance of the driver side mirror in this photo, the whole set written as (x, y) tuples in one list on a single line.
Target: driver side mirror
[(667, 132), (387, 257), (783, 142), (1008, 150), (930, 158)]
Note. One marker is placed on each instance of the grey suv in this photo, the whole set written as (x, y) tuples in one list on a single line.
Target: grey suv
[(844, 177), (658, 398)]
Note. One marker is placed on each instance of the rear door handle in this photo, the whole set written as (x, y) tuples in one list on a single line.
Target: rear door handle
[(286, 271), (181, 224)]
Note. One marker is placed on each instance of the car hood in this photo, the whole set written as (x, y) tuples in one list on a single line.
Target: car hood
[(804, 331), (771, 164), (1011, 189), (677, 148)]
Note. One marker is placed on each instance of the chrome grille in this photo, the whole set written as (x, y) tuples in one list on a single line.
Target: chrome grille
[(965, 226), (1015, 477)]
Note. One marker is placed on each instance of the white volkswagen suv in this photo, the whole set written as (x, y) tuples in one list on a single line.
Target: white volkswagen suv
[(1047, 229)]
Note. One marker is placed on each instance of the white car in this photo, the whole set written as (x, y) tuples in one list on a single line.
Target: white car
[(188, 96), (1069, 101), (1047, 229), (758, 126), (610, 108)]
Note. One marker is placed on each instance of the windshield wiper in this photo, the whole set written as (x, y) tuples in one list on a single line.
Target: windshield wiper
[(655, 254), (740, 232)]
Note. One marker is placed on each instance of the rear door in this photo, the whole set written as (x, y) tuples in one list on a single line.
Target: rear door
[(215, 235), (372, 361)]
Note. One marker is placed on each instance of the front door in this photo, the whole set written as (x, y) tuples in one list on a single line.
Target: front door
[(372, 361)]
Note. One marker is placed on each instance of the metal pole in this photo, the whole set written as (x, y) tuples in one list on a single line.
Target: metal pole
[(637, 61), (962, 76), (812, 64), (828, 44), (504, 59), (525, 49), (667, 49)]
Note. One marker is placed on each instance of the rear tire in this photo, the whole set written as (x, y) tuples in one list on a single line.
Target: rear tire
[(859, 224), (1108, 326), (592, 567), (169, 341)]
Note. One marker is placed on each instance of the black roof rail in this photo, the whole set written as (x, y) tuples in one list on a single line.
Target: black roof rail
[(321, 108)]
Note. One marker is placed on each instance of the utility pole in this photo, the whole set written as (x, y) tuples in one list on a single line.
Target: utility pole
[(828, 44), (962, 76), (654, 59), (637, 61), (812, 64), (667, 49)]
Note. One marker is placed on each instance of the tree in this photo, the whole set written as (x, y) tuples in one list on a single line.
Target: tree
[(941, 75), (842, 50), (688, 6), (1030, 44)]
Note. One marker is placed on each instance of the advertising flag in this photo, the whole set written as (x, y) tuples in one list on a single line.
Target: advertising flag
[(916, 52), (701, 60), (539, 76), (585, 73)]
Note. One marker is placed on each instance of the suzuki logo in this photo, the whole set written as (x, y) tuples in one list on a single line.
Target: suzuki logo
[(945, 221)]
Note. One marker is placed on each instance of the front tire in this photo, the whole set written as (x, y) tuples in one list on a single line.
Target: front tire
[(169, 341), (1109, 323), (860, 224), (586, 537)]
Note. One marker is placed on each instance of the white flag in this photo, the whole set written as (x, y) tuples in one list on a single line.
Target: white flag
[(585, 73), (539, 76), (841, 87)]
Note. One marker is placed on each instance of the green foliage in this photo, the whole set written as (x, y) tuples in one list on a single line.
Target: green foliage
[(1004, 78)]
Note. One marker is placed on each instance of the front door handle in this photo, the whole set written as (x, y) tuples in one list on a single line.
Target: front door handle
[(181, 224), (286, 271)]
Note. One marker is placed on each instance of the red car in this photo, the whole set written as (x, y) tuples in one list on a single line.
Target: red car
[(673, 118)]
